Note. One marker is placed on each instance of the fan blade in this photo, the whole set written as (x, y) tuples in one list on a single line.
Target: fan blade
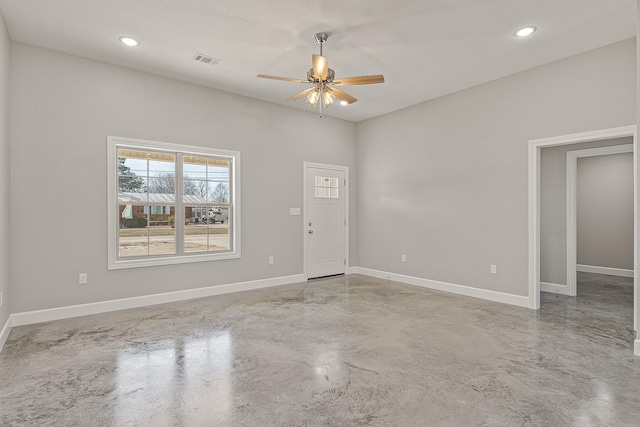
[(320, 67), (300, 94), (285, 79), (343, 96), (360, 80)]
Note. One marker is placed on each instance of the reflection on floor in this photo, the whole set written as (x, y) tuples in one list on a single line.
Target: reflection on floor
[(346, 351)]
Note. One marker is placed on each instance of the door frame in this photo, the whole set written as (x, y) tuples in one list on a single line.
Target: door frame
[(535, 147), (305, 219), (572, 211)]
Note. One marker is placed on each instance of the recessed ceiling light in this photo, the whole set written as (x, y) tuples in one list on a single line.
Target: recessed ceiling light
[(524, 32), (343, 102), (128, 41)]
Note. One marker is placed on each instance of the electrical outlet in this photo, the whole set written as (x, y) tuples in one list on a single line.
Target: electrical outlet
[(270, 260), (404, 258), (493, 269), (82, 279)]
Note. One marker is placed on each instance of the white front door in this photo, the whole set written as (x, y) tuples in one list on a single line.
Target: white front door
[(325, 221)]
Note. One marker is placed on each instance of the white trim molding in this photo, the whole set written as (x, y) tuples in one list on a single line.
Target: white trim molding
[(553, 288), (622, 272), (636, 347), (502, 297), (535, 147), (572, 200), (6, 330), (47, 315)]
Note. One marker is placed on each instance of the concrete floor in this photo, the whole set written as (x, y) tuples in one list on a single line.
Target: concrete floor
[(347, 351)]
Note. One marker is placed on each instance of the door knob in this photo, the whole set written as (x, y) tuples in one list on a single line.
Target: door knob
[(310, 231)]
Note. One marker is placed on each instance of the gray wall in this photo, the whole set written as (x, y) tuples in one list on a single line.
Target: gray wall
[(553, 208), (5, 166), (605, 211), (445, 181), (637, 252), (63, 108)]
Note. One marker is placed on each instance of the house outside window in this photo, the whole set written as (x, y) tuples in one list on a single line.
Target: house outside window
[(171, 204)]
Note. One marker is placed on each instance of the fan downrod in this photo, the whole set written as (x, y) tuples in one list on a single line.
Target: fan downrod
[(321, 38)]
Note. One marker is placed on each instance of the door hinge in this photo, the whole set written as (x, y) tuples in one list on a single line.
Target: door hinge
[(345, 262), (345, 182)]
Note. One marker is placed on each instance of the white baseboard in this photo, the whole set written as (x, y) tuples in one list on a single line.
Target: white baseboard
[(636, 347), (622, 272), (4, 334), (47, 315), (352, 270), (502, 297), (554, 288)]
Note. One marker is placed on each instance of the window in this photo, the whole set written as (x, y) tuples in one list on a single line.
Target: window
[(171, 204), (326, 188)]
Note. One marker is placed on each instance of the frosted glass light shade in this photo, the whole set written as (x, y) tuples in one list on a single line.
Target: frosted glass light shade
[(312, 98)]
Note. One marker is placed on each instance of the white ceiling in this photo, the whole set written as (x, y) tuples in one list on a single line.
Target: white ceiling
[(424, 48)]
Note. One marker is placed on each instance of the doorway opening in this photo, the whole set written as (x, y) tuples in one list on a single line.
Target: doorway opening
[(599, 216), (535, 151)]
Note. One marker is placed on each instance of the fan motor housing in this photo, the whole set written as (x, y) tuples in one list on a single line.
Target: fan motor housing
[(330, 76)]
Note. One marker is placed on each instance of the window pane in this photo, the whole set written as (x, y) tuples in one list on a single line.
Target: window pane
[(195, 191), (326, 187), (195, 167), (163, 187), (161, 163), (132, 162), (196, 232), (132, 184), (218, 169), (209, 230), (133, 233), (162, 238), (195, 214), (219, 225), (218, 192), (162, 179), (146, 230)]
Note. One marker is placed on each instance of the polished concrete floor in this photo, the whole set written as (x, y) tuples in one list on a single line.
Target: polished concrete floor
[(347, 351)]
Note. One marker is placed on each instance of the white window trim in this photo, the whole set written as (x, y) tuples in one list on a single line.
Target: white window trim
[(112, 205)]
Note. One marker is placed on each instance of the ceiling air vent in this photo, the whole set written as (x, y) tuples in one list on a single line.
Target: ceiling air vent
[(206, 59)]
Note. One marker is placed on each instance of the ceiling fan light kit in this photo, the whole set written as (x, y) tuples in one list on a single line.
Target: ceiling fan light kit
[(312, 98), (322, 80)]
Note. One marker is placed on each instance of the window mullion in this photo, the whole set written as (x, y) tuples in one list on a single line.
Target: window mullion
[(179, 214)]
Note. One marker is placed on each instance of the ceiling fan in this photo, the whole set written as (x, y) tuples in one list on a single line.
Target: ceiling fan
[(323, 82)]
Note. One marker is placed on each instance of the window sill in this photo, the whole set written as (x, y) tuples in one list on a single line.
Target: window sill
[(169, 260)]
